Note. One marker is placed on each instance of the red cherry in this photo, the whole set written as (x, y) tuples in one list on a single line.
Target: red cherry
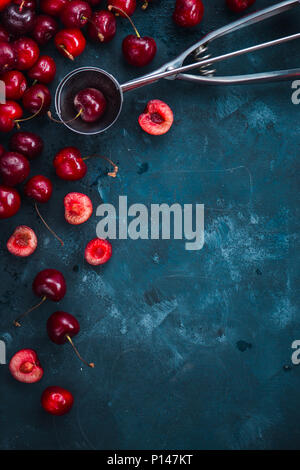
[(39, 188), (78, 208), (22, 242), (70, 42), (91, 103), (7, 57), (61, 327), (37, 99), (98, 251), (102, 26), (14, 168), (239, 5), (45, 29), (188, 13), (10, 112), (10, 202), (76, 14), (127, 6), (50, 283), (25, 366), (15, 84), (57, 400), (44, 70), (27, 52), (4, 36), (69, 164), (18, 22), (157, 118), (52, 7), (138, 51), (27, 143)]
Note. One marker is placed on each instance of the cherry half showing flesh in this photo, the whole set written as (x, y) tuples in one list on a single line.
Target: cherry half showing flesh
[(22, 242), (25, 366)]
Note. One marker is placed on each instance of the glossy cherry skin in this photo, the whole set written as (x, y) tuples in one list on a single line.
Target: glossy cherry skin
[(76, 14), (31, 4), (239, 5), (44, 70), (60, 324), (103, 26), (128, 6), (37, 98), (69, 165), (4, 36), (27, 52), (18, 23), (14, 168), (57, 400), (138, 51), (52, 7), (15, 84), (92, 103), (9, 112), (27, 143), (70, 42), (51, 284), (39, 188), (10, 202), (8, 57), (188, 13), (45, 29)]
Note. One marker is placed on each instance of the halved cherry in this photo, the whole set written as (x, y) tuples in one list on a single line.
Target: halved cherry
[(22, 242), (98, 251), (78, 208), (157, 118), (25, 366)]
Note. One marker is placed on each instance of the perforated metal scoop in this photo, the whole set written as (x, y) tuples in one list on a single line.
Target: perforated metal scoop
[(93, 77)]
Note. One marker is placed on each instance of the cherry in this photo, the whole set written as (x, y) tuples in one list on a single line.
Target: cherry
[(8, 57), (188, 13), (27, 52), (37, 99), (27, 143), (22, 242), (48, 284), (239, 5), (76, 14), (15, 84), (157, 118), (14, 168), (39, 188), (18, 22), (10, 202), (45, 29), (4, 36), (69, 164), (31, 4), (102, 26), (125, 7), (57, 400), (25, 366), (44, 70), (61, 327), (70, 42), (91, 104), (52, 7), (10, 113), (78, 208), (98, 251)]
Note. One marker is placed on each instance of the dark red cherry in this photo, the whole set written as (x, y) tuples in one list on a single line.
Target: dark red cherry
[(50, 283), (45, 29), (27, 143), (91, 103), (10, 112), (27, 52), (239, 5), (31, 4), (70, 42), (69, 164), (76, 14), (37, 99), (15, 84), (188, 13), (10, 202), (52, 7), (4, 36), (102, 26), (128, 6), (44, 70), (14, 168), (138, 51), (16, 22), (8, 57), (57, 401), (39, 188)]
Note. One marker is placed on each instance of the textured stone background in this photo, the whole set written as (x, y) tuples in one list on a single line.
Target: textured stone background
[(190, 347)]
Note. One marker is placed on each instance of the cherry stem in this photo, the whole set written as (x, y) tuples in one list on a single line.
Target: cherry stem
[(30, 117), (21, 6), (100, 35), (114, 173), (66, 52), (17, 320), (64, 122), (91, 364), (110, 7), (145, 5), (46, 225)]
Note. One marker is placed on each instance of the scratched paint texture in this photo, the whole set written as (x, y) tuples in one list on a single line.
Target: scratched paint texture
[(190, 347)]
